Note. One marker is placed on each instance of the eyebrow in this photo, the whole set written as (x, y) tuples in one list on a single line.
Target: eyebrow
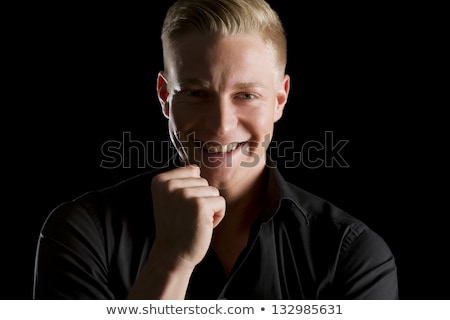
[(207, 84), (196, 82), (246, 85)]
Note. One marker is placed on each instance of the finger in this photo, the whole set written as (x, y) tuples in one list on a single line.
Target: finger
[(179, 173), (183, 183), (200, 192), (219, 207)]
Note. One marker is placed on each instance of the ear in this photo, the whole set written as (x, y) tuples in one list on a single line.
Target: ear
[(163, 93), (282, 96)]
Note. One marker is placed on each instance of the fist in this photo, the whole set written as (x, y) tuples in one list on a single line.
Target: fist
[(186, 210)]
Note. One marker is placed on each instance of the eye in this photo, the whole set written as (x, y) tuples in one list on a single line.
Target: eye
[(246, 95), (190, 93)]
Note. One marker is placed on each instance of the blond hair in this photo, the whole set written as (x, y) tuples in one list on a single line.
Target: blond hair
[(225, 18)]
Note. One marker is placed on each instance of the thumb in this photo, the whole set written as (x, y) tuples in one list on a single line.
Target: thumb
[(219, 212)]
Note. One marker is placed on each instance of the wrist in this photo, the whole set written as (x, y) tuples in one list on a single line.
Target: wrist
[(162, 277)]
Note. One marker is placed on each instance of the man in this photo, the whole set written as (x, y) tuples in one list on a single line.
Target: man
[(220, 222)]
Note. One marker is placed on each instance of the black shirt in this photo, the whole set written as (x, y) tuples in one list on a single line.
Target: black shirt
[(301, 247)]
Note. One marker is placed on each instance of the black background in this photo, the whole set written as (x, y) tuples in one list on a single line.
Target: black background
[(81, 75)]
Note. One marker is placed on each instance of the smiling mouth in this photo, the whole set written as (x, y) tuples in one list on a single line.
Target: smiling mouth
[(215, 148)]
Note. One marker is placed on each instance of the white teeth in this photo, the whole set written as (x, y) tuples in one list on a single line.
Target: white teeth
[(214, 149), (222, 149), (232, 146)]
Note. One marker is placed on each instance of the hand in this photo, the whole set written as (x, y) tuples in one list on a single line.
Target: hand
[(186, 210)]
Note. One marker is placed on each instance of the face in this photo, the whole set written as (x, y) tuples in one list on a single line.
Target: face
[(222, 96)]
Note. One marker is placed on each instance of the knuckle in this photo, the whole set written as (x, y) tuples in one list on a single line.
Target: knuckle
[(156, 179), (184, 193), (156, 184), (214, 191), (172, 185)]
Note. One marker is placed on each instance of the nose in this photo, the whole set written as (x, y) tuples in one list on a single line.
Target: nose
[(221, 118)]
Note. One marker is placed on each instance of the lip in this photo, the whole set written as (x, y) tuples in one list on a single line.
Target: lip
[(219, 149), (217, 159)]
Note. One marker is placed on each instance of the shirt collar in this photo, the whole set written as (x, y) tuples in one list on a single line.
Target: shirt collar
[(279, 191)]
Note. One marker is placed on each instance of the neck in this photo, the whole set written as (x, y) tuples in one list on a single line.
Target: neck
[(244, 201), (231, 235)]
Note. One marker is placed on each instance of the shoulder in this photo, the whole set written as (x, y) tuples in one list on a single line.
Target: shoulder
[(122, 201), (296, 208), (326, 220), (131, 193), (318, 210)]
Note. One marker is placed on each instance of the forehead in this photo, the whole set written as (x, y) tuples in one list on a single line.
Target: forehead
[(195, 53)]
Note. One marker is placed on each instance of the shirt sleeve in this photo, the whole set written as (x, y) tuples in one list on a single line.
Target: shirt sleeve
[(71, 261), (366, 268)]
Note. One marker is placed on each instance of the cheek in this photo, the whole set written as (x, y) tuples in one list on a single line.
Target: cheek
[(182, 118), (260, 124)]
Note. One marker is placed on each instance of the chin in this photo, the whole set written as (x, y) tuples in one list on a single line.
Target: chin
[(221, 178), (226, 178)]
